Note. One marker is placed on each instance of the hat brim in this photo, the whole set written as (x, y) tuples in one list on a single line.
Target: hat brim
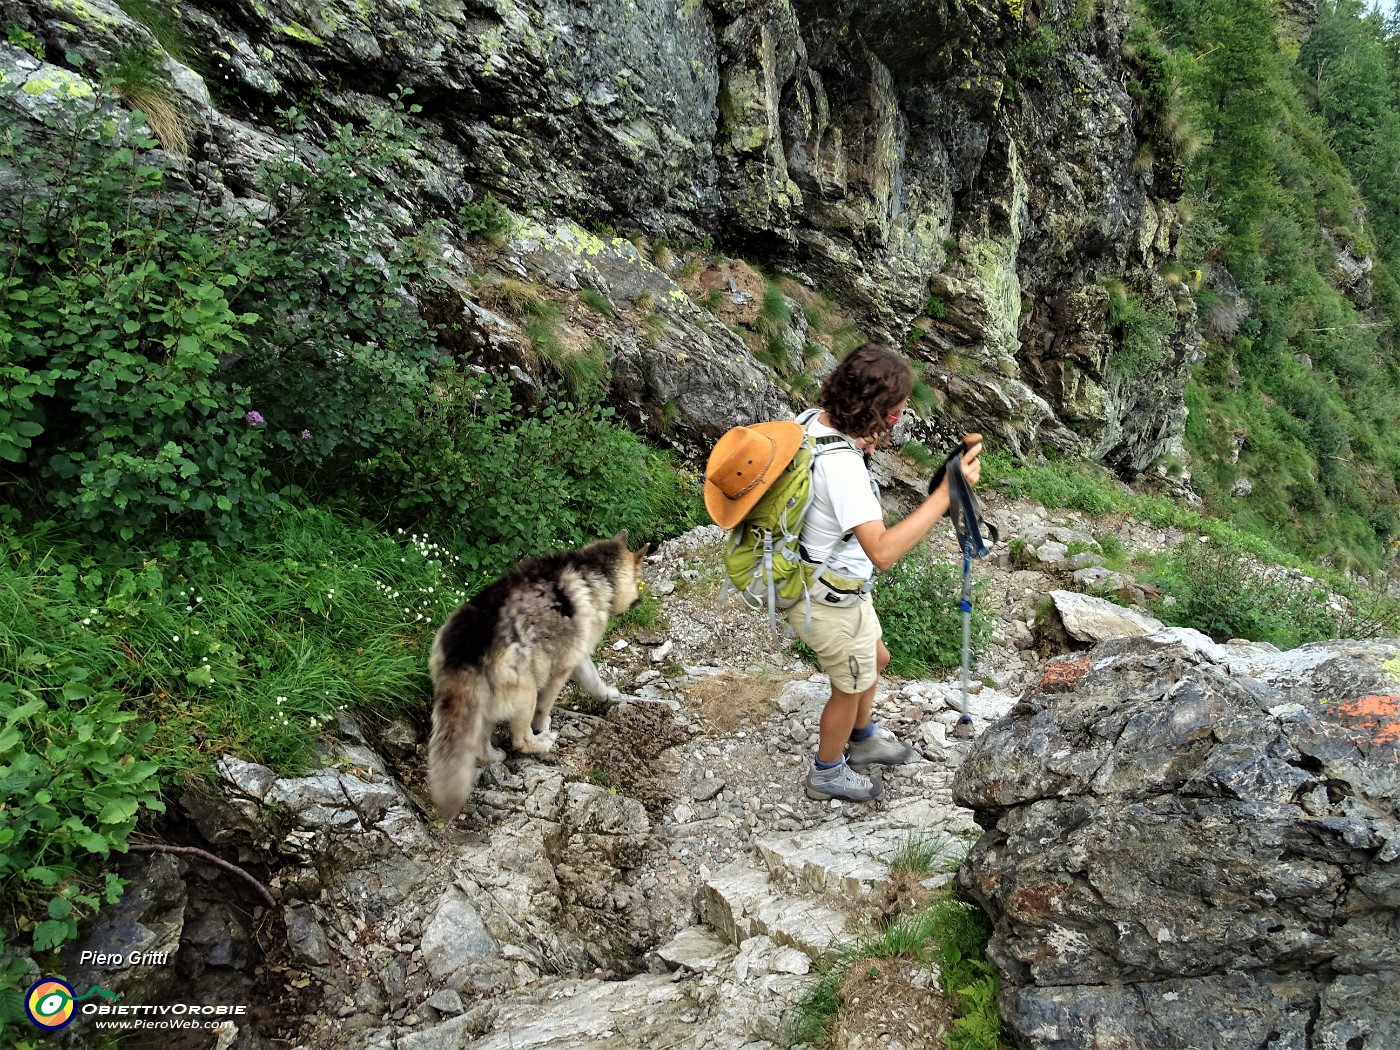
[(787, 439)]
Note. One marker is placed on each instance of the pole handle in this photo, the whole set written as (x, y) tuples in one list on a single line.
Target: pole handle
[(971, 439)]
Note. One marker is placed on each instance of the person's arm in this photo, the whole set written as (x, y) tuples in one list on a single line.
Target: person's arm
[(885, 545)]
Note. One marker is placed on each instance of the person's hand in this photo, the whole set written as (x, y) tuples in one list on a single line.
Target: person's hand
[(972, 464), (971, 467)]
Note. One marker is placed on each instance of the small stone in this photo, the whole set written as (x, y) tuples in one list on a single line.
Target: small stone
[(707, 789), (446, 1002)]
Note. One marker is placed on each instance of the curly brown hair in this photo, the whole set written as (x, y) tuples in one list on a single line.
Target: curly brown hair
[(867, 385)]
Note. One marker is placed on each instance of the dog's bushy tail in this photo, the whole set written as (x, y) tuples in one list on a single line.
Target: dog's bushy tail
[(458, 731)]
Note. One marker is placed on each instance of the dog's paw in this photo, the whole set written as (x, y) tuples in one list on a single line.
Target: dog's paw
[(536, 743), (490, 754), (610, 694)]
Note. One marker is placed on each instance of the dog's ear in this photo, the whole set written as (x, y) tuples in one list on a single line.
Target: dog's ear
[(641, 555), (621, 539)]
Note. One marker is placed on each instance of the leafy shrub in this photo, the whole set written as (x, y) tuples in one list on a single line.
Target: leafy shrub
[(506, 485), (486, 218), (74, 781), (1141, 329), (1032, 55), (917, 602), (111, 331), (1226, 595), (25, 41), (160, 365)]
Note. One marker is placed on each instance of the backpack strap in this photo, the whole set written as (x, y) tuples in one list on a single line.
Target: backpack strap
[(821, 446)]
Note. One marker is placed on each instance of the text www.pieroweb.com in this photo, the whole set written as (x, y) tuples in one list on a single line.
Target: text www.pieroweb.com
[(174, 1016)]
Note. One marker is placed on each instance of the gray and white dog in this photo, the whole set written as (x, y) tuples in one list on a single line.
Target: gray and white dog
[(505, 655)]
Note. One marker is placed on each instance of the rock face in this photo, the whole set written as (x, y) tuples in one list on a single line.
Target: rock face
[(968, 179), (1192, 845)]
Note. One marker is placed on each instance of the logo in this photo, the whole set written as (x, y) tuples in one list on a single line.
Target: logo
[(49, 1003)]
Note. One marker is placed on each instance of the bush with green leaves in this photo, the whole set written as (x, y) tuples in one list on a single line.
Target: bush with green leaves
[(161, 366), (1218, 590), (74, 780), (162, 363), (1141, 330), (486, 218), (112, 327), (506, 484), (917, 602)]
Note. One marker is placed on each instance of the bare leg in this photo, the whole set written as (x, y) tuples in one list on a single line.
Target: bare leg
[(839, 718), (844, 711)]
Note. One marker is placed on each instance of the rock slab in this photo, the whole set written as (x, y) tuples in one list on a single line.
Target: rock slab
[(1191, 845)]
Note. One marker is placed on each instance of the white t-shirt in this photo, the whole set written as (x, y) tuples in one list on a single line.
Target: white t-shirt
[(843, 496)]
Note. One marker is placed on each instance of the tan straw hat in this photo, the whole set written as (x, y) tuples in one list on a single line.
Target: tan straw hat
[(742, 466)]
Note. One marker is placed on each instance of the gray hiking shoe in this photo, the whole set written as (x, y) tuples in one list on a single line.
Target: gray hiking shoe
[(882, 748), (842, 782)]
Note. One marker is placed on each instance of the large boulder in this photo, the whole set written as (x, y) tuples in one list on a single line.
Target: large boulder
[(1194, 845)]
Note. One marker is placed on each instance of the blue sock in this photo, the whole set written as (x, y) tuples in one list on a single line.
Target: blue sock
[(828, 765), (865, 732)]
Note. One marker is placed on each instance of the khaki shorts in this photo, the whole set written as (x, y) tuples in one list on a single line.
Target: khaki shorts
[(843, 636)]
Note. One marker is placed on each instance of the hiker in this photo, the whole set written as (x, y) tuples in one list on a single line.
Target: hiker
[(845, 530)]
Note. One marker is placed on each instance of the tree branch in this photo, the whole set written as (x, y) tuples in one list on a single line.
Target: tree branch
[(205, 855)]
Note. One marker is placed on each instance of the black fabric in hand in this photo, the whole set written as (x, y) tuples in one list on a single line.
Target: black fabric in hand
[(942, 470)]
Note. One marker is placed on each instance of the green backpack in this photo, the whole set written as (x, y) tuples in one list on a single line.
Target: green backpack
[(763, 555)]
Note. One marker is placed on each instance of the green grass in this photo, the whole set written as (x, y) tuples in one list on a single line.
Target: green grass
[(646, 615), (249, 650), (138, 76), (126, 669), (1218, 588), (1078, 486), (598, 301), (654, 328), (921, 397), (949, 935), (921, 854), (164, 24), (920, 454), (917, 602)]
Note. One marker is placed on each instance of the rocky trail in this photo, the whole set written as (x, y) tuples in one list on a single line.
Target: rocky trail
[(659, 880)]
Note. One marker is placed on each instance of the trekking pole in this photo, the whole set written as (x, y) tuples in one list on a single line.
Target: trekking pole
[(963, 730), (962, 506)]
